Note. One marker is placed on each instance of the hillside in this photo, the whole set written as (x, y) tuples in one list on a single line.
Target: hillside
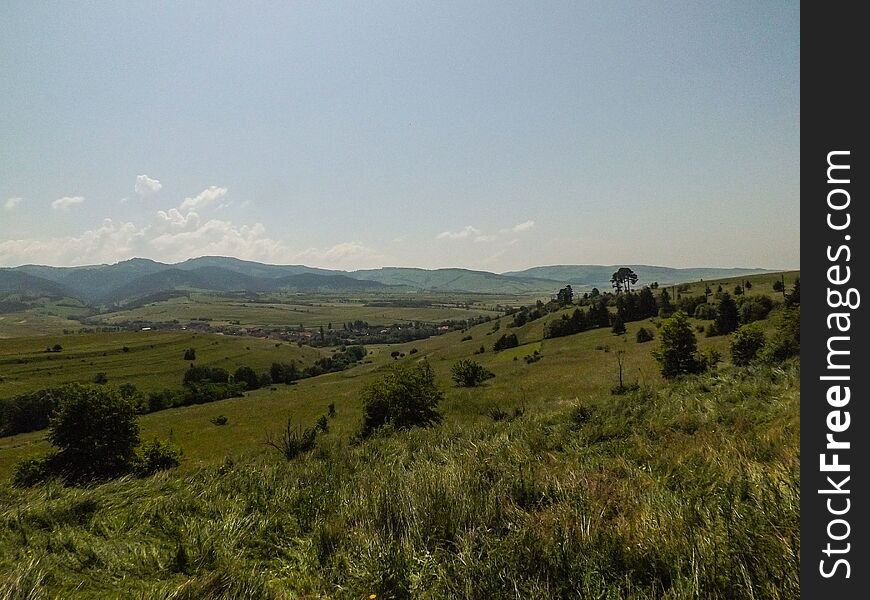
[(586, 276), (539, 484), (133, 279), (458, 280)]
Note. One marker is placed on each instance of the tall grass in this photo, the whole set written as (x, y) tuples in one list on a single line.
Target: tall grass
[(687, 491)]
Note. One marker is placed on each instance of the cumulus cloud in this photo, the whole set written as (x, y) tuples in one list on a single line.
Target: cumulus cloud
[(66, 202), (204, 198), (463, 233), (145, 186), (11, 203), (109, 242)]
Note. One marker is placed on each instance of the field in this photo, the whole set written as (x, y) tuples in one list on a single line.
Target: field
[(277, 311), (150, 360), (676, 490)]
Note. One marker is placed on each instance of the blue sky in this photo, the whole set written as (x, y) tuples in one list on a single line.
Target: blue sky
[(348, 135)]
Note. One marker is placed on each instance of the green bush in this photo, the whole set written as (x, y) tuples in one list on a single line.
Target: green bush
[(644, 335), (746, 343), (506, 341), (154, 456), (678, 351), (705, 311), (293, 441), (247, 376), (786, 340), (405, 397), (468, 373)]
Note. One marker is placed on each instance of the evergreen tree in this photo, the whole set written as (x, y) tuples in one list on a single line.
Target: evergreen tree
[(727, 316), (618, 325), (666, 309), (678, 350), (646, 304)]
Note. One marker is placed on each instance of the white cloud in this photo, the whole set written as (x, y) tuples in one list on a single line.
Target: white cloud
[(204, 198), (346, 255), (486, 238), (110, 242), (145, 186), (463, 233), (11, 203), (66, 202), (524, 226)]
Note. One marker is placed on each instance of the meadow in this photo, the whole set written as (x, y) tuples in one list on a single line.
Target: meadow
[(538, 484), (273, 310)]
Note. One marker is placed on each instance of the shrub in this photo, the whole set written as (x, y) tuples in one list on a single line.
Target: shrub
[(405, 397), (155, 456), (746, 343), (101, 378), (95, 432), (754, 308), (220, 420), (330, 411), (468, 373), (247, 376), (466, 338), (293, 441), (678, 351), (190, 354), (705, 311), (644, 335), (786, 340), (322, 424), (202, 373), (618, 326), (413, 351), (506, 341)]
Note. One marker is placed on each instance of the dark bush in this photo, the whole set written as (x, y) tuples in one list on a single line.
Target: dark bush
[(468, 373), (506, 341), (746, 343), (155, 456), (248, 377), (205, 374), (644, 335), (405, 397)]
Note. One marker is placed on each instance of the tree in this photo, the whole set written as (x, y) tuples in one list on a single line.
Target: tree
[(618, 326), (623, 278), (405, 397), (506, 341), (644, 335), (678, 350), (202, 373), (793, 298), (646, 304), (96, 433), (248, 376), (283, 372), (727, 317), (666, 309), (746, 343), (468, 373), (778, 286), (565, 296), (190, 354)]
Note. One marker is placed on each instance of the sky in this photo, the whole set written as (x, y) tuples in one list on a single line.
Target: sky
[(484, 135)]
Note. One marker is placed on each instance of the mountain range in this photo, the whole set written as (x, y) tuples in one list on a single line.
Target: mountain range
[(138, 278)]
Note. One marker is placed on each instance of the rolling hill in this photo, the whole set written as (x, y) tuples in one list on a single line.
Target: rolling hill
[(584, 276), (137, 278)]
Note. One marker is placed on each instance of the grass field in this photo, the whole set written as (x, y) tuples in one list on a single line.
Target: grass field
[(287, 312), (152, 360)]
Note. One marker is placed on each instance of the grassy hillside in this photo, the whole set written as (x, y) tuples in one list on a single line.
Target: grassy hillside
[(286, 311), (685, 490), (151, 361), (538, 484)]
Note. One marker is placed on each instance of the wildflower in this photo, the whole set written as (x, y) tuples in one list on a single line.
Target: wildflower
[(372, 596)]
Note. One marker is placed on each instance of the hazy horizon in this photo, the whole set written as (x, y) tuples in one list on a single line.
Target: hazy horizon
[(631, 264), (493, 136)]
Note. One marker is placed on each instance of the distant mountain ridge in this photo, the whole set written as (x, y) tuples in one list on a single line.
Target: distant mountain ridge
[(138, 278)]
